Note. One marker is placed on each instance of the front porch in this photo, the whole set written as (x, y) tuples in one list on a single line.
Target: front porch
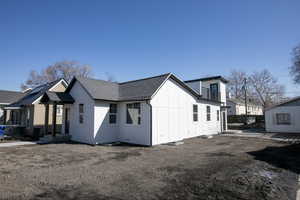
[(56, 99)]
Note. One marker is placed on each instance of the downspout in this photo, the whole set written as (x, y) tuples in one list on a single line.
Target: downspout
[(150, 106)]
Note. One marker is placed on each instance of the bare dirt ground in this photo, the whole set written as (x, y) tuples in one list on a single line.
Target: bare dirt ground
[(223, 168)]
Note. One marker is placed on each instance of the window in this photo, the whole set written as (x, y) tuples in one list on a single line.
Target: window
[(207, 113), (283, 118), (59, 110), (218, 115), (195, 113), (81, 111), (214, 91), (112, 113), (80, 108), (133, 114)]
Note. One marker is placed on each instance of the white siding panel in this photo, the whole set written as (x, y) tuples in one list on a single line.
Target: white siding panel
[(173, 115), (104, 132), (270, 118), (135, 134), (82, 132)]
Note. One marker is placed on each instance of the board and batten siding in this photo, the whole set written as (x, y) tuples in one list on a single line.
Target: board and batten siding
[(82, 132), (104, 132), (135, 134), (172, 115), (271, 123)]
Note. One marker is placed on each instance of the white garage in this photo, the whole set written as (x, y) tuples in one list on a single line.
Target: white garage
[(284, 117)]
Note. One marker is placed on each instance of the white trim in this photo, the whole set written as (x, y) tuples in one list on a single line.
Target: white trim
[(38, 99), (12, 108), (160, 86), (62, 80)]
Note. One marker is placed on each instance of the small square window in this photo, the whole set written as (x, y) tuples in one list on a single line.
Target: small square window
[(283, 118)]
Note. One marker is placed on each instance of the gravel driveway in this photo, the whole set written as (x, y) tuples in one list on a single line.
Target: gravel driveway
[(219, 168)]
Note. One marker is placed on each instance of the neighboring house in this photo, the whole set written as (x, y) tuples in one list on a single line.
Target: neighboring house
[(6, 98), (29, 111), (237, 107), (148, 111), (284, 117)]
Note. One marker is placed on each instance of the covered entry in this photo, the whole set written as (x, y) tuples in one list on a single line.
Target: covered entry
[(55, 99)]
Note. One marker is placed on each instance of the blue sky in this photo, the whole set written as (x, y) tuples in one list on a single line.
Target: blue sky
[(138, 38)]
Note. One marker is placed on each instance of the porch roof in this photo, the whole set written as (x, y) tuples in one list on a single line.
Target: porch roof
[(57, 97)]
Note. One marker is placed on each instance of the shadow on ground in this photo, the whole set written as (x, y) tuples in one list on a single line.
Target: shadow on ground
[(285, 157)]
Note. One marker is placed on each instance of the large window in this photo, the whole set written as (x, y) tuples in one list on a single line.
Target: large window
[(112, 113), (207, 113), (133, 113), (81, 111), (195, 113), (283, 118), (214, 91)]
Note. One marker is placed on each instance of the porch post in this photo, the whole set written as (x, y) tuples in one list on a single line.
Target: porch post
[(46, 118), (54, 119), (4, 116)]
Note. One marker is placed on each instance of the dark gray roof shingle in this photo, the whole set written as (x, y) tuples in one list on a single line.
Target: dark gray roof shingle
[(132, 90), (7, 97), (142, 89), (34, 94)]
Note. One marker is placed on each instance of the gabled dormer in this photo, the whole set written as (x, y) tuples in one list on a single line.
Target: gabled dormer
[(213, 88)]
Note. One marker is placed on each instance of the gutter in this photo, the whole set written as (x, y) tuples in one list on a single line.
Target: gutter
[(150, 106)]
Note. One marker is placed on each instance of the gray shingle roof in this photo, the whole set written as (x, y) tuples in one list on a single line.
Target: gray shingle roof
[(32, 96), (132, 90), (100, 89), (7, 97), (142, 89)]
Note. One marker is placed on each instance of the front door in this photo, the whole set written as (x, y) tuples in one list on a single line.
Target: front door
[(67, 121)]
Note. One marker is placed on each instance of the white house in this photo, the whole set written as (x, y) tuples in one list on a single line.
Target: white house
[(237, 107), (284, 117), (148, 111)]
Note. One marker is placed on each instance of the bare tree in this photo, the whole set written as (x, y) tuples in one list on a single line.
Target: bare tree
[(266, 88), (63, 69), (236, 82), (295, 68), (110, 77)]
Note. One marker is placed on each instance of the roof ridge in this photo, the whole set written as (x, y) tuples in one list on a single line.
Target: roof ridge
[(142, 79)]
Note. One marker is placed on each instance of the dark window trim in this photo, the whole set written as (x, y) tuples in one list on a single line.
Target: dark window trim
[(195, 112), (283, 123), (113, 113), (208, 113)]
